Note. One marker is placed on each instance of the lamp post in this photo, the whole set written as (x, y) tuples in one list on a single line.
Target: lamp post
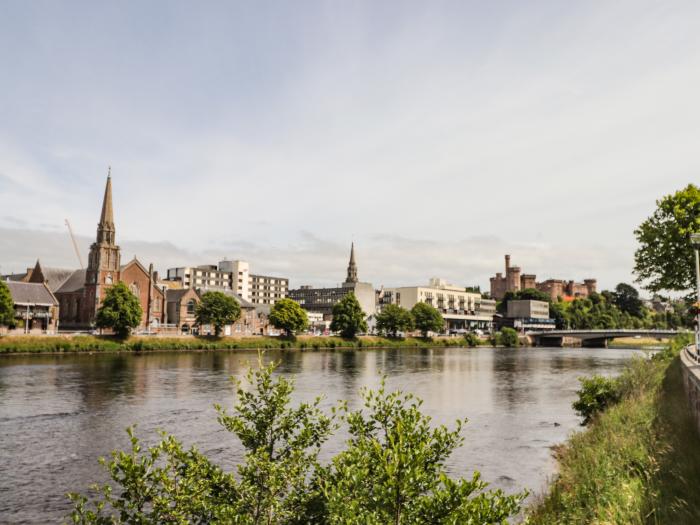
[(695, 241)]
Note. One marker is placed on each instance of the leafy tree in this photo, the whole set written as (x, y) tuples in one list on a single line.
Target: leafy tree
[(664, 259), (348, 317), (218, 310), (7, 306), (394, 319), (427, 318), (626, 298), (596, 394), (287, 315), (509, 337), (393, 470), (120, 310), (473, 289), (277, 482)]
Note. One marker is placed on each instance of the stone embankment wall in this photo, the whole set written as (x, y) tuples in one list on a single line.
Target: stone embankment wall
[(691, 380)]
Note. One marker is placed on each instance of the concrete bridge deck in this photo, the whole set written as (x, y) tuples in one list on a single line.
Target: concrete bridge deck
[(595, 338)]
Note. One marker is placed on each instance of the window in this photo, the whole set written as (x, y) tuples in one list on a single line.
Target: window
[(134, 287), (191, 305), (108, 278)]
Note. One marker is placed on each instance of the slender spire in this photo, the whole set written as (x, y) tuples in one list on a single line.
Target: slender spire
[(107, 217), (352, 266)]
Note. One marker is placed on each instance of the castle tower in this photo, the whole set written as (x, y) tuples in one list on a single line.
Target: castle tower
[(104, 259), (352, 267)]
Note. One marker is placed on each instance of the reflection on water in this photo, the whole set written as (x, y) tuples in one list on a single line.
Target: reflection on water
[(58, 414)]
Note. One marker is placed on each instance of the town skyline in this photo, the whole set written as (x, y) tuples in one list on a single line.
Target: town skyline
[(437, 139)]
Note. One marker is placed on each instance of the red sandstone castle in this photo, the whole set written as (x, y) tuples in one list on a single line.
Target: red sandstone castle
[(80, 292), (514, 280)]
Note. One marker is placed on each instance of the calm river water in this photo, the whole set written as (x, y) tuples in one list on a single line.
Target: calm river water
[(58, 414)]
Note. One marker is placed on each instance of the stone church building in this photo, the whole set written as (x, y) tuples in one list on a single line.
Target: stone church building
[(80, 292)]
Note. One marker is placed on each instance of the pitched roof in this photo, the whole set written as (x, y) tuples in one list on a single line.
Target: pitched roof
[(31, 293), (75, 282), (174, 295), (55, 277)]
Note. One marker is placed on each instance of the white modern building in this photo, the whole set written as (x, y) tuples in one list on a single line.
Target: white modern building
[(461, 310), (232, 275)]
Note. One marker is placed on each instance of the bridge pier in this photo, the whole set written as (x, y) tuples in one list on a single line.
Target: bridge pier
[(601, 342)]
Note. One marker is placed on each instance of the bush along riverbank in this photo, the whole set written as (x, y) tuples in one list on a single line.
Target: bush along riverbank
[(86, 343), (639, 460)]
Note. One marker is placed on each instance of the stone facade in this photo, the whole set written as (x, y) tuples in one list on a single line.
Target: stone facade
[(81, 293), (514, 280), (36, 308)]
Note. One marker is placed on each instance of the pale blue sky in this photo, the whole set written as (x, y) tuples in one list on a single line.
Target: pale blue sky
[(438, 135)]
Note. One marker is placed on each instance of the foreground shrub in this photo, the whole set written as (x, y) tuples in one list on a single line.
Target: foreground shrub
[(596, 394), (392, 470), (471, 339)]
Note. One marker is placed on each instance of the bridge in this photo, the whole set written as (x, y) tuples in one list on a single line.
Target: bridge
[(595, 338)]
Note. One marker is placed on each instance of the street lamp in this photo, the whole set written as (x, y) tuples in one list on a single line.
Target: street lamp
[(695, 241)]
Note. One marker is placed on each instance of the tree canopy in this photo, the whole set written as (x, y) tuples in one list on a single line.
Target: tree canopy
[(427, 318), (394, 319), (217, 309), (287, 315), (120, 310), (7, 306), (664, 259), (391, 470), (348, 317), (626, 298)]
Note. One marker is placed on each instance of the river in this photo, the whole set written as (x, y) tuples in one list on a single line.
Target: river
[(58, 414)]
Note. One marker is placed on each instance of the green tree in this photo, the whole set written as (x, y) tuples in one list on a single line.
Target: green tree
[(394, 319), (276, 483), (664, 259), (287, 315), (509, 337), (393, 470), (626, 298), (120, 310), (218, 310), (348, 317), (427, 319), (7, 306)]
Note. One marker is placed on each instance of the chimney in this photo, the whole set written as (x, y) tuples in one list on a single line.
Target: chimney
[(507, 263)]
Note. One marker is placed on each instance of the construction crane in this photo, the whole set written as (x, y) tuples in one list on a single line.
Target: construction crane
[(75, 245)]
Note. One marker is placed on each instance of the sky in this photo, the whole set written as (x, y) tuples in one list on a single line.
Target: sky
[(438, 136)]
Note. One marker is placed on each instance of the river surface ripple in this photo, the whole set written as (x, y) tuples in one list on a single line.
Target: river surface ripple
[(58, 414)]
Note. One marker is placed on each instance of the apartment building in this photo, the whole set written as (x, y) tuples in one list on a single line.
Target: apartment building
[(235, 276), (461, 310)]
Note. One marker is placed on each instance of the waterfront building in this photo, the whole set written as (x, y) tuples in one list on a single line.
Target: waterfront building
[(80, 292), (235, 276), (36, 308), (461, 310), (322, 300), (514, 280), (528, 315), (180, 309)]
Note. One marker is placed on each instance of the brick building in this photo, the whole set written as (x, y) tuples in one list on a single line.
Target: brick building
[(36, 308), (80, 292), (514, 280)]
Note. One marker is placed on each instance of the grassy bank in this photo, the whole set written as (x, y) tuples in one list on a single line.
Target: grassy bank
[(638, 462), (86, 343), (637, 342)]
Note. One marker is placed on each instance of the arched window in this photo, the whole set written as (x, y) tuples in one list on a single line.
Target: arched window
[(108, 278), (134, 287), (191, 304)]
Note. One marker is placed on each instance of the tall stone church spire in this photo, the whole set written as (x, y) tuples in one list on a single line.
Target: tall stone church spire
[(107, 217), (104, 260), (352, 266)]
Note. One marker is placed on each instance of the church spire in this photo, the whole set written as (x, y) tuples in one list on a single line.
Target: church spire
[(352, 266), (107, 217)]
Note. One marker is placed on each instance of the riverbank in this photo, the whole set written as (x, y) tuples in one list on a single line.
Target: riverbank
[(89, 343), (638, 462)]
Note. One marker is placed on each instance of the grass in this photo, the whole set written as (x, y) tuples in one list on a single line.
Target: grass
[(638, 462), (637, 342), (88, 343)]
